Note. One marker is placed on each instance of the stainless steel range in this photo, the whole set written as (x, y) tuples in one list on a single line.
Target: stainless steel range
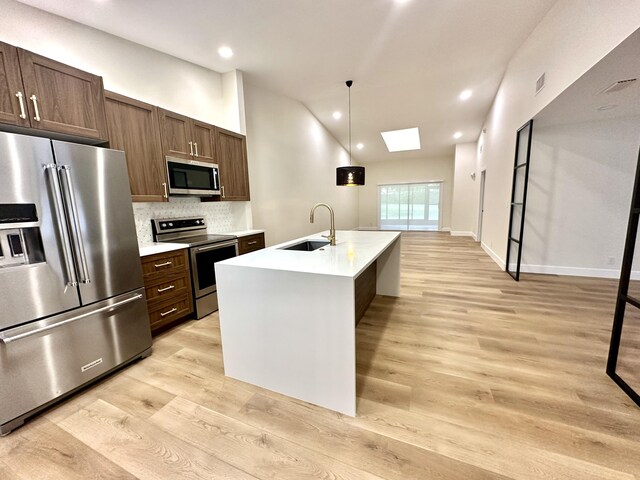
[(204, 251)]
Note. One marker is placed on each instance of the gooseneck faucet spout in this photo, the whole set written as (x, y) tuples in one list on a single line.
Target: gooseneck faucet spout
[(332, 230)]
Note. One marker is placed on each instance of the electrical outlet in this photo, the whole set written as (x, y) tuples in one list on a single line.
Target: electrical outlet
[(611, 260)]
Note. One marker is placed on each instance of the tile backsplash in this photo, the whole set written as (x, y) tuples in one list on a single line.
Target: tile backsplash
[(219, 215)]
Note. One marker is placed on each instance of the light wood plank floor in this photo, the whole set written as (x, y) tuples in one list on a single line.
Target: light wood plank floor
[(468, 375)]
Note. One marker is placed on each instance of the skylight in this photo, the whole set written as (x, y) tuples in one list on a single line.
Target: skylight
[(402, 140)]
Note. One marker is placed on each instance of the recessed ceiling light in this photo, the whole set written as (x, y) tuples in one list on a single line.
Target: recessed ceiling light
[(360, 146), (337, 115), (465, 95), (457, 135), (402, 140), (225, 52), (402, 1)]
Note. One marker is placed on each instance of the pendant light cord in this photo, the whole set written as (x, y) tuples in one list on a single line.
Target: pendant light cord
[(349, 85)]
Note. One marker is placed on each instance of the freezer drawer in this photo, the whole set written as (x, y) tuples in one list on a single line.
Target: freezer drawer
[(44, 360)]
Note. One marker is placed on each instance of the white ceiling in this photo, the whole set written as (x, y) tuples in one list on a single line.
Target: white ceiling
[(409, 61), (584, 99)]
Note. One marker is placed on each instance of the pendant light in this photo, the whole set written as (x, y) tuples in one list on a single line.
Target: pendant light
[(351, 176)]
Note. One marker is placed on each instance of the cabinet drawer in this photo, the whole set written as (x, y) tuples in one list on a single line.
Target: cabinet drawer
[(170, 310), (164, 264), (250, 243), (168, 288)]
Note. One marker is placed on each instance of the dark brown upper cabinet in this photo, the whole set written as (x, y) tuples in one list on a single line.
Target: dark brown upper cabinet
[(204, 141), (184, 137), (61, 98), (133, 127), (13, 103), (231, 153)]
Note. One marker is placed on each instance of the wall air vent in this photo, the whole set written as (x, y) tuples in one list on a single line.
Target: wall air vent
[(619, 85), (540, 83)]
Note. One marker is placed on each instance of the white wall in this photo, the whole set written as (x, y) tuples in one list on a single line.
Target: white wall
[(145, 74), (126, 67), (572, 37), (405, 171), (292, 166), (580, 185), (464, 207)]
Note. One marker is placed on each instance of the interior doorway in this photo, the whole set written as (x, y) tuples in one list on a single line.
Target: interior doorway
[(481, 207)]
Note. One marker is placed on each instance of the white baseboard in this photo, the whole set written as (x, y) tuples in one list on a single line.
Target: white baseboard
[(445, 229), (461, 234), (576, 271), (494, 256), (474, 236), (367, 228)]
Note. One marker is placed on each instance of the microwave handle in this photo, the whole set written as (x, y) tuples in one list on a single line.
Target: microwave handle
[(216, 179)]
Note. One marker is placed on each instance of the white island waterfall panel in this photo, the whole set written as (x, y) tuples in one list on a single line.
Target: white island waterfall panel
[(287, 318), (290, 332)]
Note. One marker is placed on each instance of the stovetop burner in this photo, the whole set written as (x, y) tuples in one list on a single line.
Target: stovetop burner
[(195, 240), (192, 231)]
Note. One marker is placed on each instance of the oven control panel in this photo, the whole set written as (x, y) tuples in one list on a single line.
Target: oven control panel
[(178, 224)]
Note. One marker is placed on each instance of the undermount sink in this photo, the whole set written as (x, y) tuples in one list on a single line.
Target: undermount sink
[(307, 245)]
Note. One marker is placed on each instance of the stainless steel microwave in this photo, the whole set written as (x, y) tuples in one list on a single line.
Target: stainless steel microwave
[(191, 177)]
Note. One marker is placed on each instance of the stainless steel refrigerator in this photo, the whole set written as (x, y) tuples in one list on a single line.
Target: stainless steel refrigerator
[(72, 304)]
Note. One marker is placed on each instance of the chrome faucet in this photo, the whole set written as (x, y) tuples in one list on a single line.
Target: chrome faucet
[(332, 230)]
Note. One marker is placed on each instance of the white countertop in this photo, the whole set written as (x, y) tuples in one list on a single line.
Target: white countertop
[(245, 233), (354, 251), (153, 248)]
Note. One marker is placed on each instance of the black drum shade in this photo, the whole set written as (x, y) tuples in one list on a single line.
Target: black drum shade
[(350, 176)]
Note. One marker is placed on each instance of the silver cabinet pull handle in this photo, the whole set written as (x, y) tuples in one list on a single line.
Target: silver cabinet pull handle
[(158, 265), (52, 171), (34, 99), (164, 186), (252, 243), (191, 148), (23, 114), (195, 144), (20, 336), (222, 191), (169, 312), (170, 287), (75, 224)]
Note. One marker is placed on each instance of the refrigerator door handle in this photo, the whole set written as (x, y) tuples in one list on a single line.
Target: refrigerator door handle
[(8, 339), (78, 242), (51, 172)]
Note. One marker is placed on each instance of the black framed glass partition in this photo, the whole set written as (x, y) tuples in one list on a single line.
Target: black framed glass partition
[(518, 199), (623, 365)]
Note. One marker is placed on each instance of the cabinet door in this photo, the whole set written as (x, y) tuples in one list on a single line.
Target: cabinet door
[(62, 98), (11, 88), (231, 150), (175, 132), (133, 127), (204, 141)]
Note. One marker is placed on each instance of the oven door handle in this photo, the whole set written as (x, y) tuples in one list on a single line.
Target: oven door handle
[(216, 245)]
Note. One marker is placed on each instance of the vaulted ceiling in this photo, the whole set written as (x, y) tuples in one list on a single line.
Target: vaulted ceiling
[(409, 59)]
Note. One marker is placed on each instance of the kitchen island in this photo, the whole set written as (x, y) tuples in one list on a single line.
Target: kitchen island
[(288, 317)]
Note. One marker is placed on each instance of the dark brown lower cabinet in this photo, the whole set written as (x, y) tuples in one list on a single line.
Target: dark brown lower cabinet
[(250, 243), (167, 282), (365, 290)]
